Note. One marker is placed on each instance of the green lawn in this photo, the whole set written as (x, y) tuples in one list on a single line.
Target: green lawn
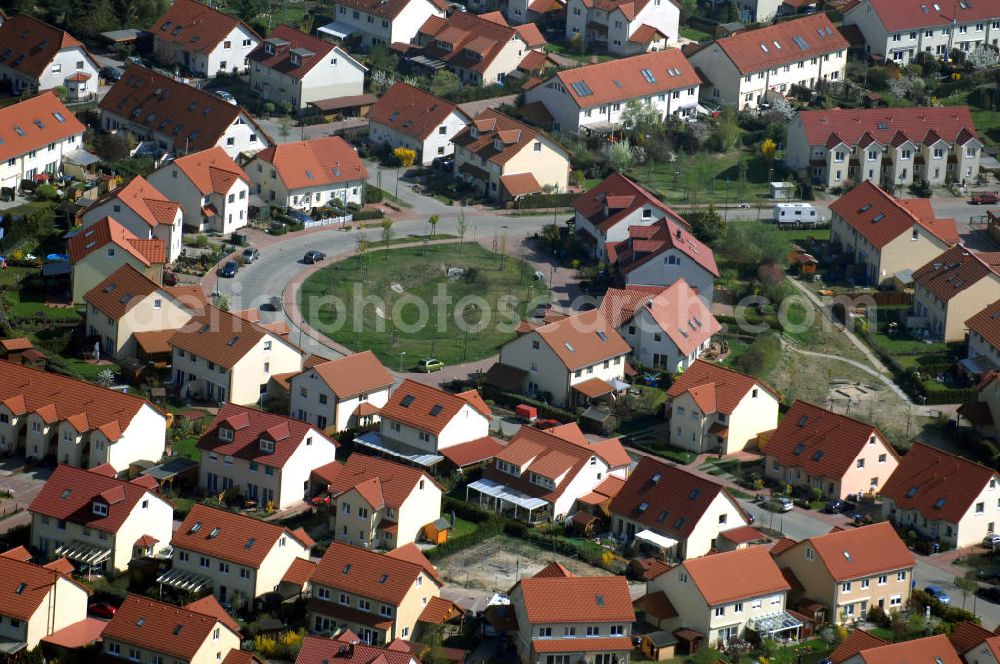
[(91, 371), (26, 305), (568, 52), (357, 309), (708, 173), (694, 33), (462, 527), (902, 343), (987, 122), (802, 234)]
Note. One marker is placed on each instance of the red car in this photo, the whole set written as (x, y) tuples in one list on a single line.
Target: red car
[(987, 198), (545, 424), (102, 610)]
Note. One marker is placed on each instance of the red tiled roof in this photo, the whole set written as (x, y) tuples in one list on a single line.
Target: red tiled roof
[(852, 553), (384, 8), (354, 374), (196, 27), (241, 657), (671, 504), (880, 218), (438, 611), (32, 46), (317, 162), (484, 34), (520, 184), (283, 40), (299, 572), (411, 553), (582, 340), (144, 199), (474, 451), (822, 443), (967, 635), (396, 482), (209, 606), (743, 535), (120, 291), (37, 580), (583, 644), (987, 324), (78, 634), (411, 111), (782, 545), (623, 197), (15, 344), (669, 69), (553, 569), (153, 625), (898, 15), (319, 650), (941, 486), (576, 599), (421, 410), (856, 641), (239, 539), (928, 650), (734, 575), (887, 125), (955, 270), (755, 50), (211, 170), (682, 315), (715, 388), (17, 553), (220, 336), (513, 135), (361, 571), (43, 109), (530, 34), (647, 242), (248, 427)]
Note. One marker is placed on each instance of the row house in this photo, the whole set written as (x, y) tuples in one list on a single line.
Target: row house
[(943, 496), (950, 289), (267, 458), (975, 644), (589, 621), (379, 597), (35, 135), (238, 557), (179, 117), (37, 56), (837, 454), (144, 211), (292, 67), (935, 649), (983, 411), (892, 148), (211, 190), (408, 117), (78, 423), (100, 523), (596, 96), (347, 648), (850, 571), (742, 69), (309, 174), (900, 30), (623, 27), (380, 22), (341, 394), (105, 246), (983, 350), (716, 409), (202, 40), (671, 513), (886, 237)]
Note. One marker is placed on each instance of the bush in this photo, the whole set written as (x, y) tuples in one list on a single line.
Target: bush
[(368, 213), (761, 357), (532, 201), (374, 195)]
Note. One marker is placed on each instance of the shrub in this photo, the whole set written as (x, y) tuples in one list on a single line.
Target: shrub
[(761, 357)]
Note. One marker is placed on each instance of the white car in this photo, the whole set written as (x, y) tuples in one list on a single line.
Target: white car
[(226, 97)]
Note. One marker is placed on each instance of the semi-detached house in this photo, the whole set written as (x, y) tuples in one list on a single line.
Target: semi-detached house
[(408, 117), (347, 648), (102, 248), (202, 40), (144, 211), (623, 27), (340, 394), (742, 69), (951, 288), (983, 354), (37, 56), (595, 96), (372, 22), (212, 191), (100, 523), (36, 601), (35, 135), (307, 174)]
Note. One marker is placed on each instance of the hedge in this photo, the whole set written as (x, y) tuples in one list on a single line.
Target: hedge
[(511, 399), (368, 213), (545, 201), (487, 529), (915, 388)]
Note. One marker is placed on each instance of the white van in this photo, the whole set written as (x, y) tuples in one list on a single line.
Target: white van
[(797, 213)]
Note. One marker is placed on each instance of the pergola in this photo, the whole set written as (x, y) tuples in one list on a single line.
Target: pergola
[(186, 581), (84, 553), (775, 624), (662, 542), (373, 440), (499, 498)]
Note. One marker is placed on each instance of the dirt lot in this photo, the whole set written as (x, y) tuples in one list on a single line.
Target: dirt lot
[(498, 563)]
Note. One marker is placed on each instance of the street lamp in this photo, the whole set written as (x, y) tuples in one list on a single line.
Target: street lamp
[(401, 354), (552, 271)]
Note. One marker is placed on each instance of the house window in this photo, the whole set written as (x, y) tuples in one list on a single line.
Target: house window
[(720, 611), (845, 587), (861, 463), (882, 580), (901, 575)]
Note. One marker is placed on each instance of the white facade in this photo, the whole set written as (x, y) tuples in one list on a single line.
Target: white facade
[(980, 518), (373, 29), (240, 136), (692, 429), (171, 234), (64, 66), (663, 15), (43, 159), (436, 144), (229, 56), (232, 206), (336, 75), (467, 424), (272, 190), (653, 347), (314, 402)]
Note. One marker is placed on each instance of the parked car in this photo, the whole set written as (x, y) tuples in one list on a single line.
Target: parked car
[(429, 364), (544, 423), (111, 74), (102, 610), (313, 256), (169, 279), (275, 303), (992, 540), (226, 96), (229, 270), (445, 163), (779, 504), (938, 594), (250, 255), (986, 198), (134, 60), (835, 506), (989, 593)]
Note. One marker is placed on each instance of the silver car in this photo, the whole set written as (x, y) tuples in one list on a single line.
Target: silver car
[(779, 504)]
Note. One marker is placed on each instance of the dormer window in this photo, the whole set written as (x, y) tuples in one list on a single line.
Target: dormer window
[(497, 145), (100, 509), (296, 60), (225, 433), (474, 132), (266, 445), (269, 48)]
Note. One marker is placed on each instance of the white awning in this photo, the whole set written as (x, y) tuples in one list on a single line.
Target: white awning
[(335, 29), (655, 539), (502, 492), (373, 440), (82, 552), (182, 580)]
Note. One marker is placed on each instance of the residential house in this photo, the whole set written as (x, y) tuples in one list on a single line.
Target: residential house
[(543, 13), (715, 409), (742, 69), (317, 650), (950, 289), (424, 425), (887, 236), (595, 96), (202, 40), (569, 361), (145, 630), (343, 393), (292, 67), (81, 424), (898, 30), (379, 597), (983, 354), (942, 496), (36, 601), (211, 190), (674, 512), (849, 571), (479, 49), (179, 117), (385, 22), (623, 27), (267, 458), (143, 211), (540, 475), (36, 135), (662, 254), (727, 595), (975, 644), (758, 11), (982, 412), (127, 304), (408, 117), (563, 617), (666, 328), (99, 522), (37, 56), (104, 247), (892, 148), (224, 357), (813, 448), (506, 159), (380, 504), (239, 557), (306, 174), (930, 649)]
